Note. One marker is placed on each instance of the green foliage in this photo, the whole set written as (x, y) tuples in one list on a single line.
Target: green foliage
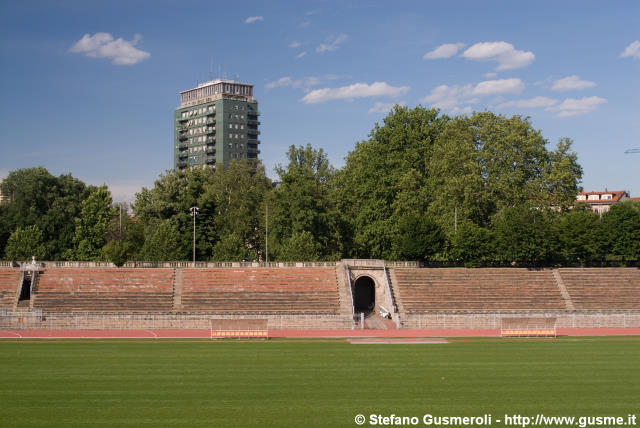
[(25, 243), (170, 199), (163, 243), (486, 162), (301, 214), (229, 201), (562, 175), (419, 238), (231, 248), (92, 225), (383, 177), (523, 235), (233, 200), (580, 236), (472, 244), (118, 252), (299, 246), (621, 226), (38, 198)]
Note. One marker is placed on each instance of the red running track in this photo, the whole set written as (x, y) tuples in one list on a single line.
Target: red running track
[(188, 334)]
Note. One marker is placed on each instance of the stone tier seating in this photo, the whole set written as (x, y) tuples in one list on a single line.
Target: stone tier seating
[(104, 290), (463, 289), (603, 288), (9, 286), (264, 290)]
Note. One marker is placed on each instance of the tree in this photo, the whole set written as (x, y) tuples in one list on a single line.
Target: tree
[(580, 236), (125, 237), (231, 248), (299, 246), (301, 212), (472, 244), (621, 226), (92, 225), (419, 238), (384, 179), (233, 200), (523, 235), (118, 252), (25, 243), (486, 162), (38, 198), (163, 243), (170, 199), (563, 175)]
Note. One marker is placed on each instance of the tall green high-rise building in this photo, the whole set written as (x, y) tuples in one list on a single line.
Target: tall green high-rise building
[(215, 123)]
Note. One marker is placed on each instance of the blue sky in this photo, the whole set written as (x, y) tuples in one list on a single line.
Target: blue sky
[(90, 87)]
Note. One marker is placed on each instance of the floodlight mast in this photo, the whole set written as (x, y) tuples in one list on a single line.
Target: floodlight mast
[(194, 213)]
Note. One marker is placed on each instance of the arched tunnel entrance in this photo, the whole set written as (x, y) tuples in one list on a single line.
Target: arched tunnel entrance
[(364, 294)]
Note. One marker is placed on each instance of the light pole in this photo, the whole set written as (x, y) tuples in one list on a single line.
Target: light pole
[(194, 213), (266, 236)]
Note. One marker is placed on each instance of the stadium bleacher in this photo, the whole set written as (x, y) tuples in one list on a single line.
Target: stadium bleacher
[(603, 288), (9, 286), (477, 289), (264, 290), (104, 290)]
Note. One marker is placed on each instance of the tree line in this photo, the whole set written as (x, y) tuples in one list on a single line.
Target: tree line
[(474, 190)]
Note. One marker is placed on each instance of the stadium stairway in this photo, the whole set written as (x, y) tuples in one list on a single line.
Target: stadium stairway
[(177, 290), (346, 305)]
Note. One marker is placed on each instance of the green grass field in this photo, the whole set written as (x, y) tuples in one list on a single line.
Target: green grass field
[(273, 383)]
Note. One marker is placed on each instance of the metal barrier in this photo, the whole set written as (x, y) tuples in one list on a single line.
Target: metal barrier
[(492, 320), (38, 320), (174, 265)]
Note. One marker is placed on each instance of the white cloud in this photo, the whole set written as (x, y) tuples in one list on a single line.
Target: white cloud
[(535, 102), (295, 44), (357, 90), (311, 81), (463, 110), (252, 19), (574, 107), (633, 50), (103, 45), (444, 51), (385, 107), (499, 86), (294, 83), (332, 44), (571, 83), (283, 81), (507, 57), (490, 75), (451, 97), (301, 54)]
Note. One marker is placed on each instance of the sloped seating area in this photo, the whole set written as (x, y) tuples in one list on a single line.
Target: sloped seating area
[(423, 290), (9, 286), (263, 290), (104, 290), (602, 288)]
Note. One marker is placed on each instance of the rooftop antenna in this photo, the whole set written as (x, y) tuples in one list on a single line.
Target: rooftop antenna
[(211, 75)]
